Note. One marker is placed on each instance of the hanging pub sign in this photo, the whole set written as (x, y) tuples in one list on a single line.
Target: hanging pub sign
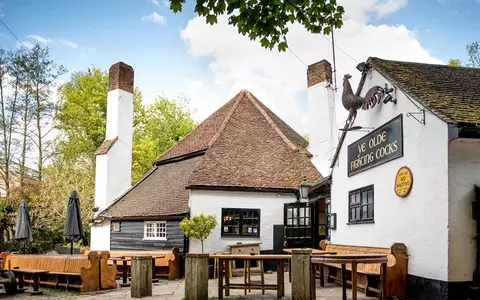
[(403, 182), (380, 146)]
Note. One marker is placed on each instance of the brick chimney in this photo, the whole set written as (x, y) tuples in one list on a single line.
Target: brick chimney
[(113, 168), (319, 72), (322, 123)]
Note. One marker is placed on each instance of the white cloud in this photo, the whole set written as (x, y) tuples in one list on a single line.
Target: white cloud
[(49, 41), (154, 18), (166, 3), (156, 2), (279, 79)]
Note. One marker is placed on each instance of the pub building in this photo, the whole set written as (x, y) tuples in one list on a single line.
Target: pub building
[(405, 168)]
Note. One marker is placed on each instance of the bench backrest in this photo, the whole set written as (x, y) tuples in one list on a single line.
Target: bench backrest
[(52, 263), (350, 249), (170, 256)]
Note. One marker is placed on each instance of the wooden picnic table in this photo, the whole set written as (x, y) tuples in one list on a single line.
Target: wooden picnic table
[(125, 260), (354, 260), (20, 272), (314, 252), (223, 269)]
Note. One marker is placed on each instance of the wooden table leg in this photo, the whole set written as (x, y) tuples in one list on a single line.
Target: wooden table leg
[(280, 279), (220, 277), (354, 280), (154, 278), (124, 275), (313, 286), (245, 277), (35, 285), (21, 287), (383, 278), (322, 282), (227, 278), (290, 271), (344, 282)]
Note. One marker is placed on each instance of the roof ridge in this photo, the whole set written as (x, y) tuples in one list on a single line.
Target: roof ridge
[(227, 119), (421, 63), (270, 121)]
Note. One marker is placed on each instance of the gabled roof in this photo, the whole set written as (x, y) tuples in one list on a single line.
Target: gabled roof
[(241, 146), (254, 149), (451, 93), (204, 135)]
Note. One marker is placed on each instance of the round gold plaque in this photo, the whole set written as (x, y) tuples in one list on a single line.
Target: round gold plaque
[(403, 182)]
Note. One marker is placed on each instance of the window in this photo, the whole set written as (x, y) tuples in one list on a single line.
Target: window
[(240, 222), (297, 221), (360, 205), (156, 230), (116, 226)]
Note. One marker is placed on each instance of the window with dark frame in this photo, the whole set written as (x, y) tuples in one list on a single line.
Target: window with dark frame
[(360, 205), (240, 222)]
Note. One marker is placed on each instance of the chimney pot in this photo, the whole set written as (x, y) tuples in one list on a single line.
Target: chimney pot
[(319, 72), (120, 76)]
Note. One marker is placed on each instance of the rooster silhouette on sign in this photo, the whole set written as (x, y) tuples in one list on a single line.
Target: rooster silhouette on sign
[(353, 102)]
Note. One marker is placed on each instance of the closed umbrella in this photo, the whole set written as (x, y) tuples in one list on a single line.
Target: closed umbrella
[(23, 230), (73, 227)]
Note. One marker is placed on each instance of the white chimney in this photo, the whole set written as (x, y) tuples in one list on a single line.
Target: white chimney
[(322, 122), (114, 157)]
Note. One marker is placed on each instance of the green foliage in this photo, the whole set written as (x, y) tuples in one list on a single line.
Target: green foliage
[(199, 227), (268, 20), (454, 62), (158, 127), (82, 113)]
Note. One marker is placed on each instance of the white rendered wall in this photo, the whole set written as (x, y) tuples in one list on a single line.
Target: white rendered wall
[(100, 236), (464, 173), (212, 202), (421, 219), (322, 125)]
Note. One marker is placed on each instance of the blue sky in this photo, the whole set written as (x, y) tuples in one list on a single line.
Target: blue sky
[(178, 53)]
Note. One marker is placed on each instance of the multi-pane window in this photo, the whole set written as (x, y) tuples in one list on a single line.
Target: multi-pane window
[(240, 222), (360, 205), (156, 230), (298, 221)]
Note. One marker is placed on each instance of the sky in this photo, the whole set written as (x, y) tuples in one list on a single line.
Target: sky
[(178, 54)]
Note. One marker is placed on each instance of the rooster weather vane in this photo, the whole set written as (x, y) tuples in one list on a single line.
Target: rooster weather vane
[(353, 102)]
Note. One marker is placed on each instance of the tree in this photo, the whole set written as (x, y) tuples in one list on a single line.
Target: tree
[(42, 72), (162, 124), (473, 51), (198, 227), (269, 20), (454, 62)]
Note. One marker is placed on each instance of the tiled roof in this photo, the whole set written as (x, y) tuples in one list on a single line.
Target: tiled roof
[(451, 93), (243, 145), (161, 192), (254, 149)]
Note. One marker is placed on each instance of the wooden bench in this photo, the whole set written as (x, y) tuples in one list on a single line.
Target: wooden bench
[(80, 272), (168, 266), (369, 274)]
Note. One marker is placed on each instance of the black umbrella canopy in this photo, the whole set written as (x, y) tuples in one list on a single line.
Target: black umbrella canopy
[(23, 230), (73, 227)]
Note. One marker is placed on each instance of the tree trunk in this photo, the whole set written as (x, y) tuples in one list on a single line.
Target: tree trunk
[(39, 132)]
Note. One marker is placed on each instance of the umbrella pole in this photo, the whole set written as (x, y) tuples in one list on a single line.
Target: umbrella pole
[(71, 248)]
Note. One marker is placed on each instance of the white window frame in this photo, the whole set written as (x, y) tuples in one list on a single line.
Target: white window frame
[(157, 234)]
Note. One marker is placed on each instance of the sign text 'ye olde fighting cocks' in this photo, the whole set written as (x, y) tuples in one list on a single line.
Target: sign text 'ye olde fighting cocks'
[(381, 145)]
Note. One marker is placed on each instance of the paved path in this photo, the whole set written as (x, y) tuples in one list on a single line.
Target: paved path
[(174, 290)]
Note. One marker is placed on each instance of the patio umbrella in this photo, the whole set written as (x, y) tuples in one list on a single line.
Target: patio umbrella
[(73, 227), (23, 230)]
